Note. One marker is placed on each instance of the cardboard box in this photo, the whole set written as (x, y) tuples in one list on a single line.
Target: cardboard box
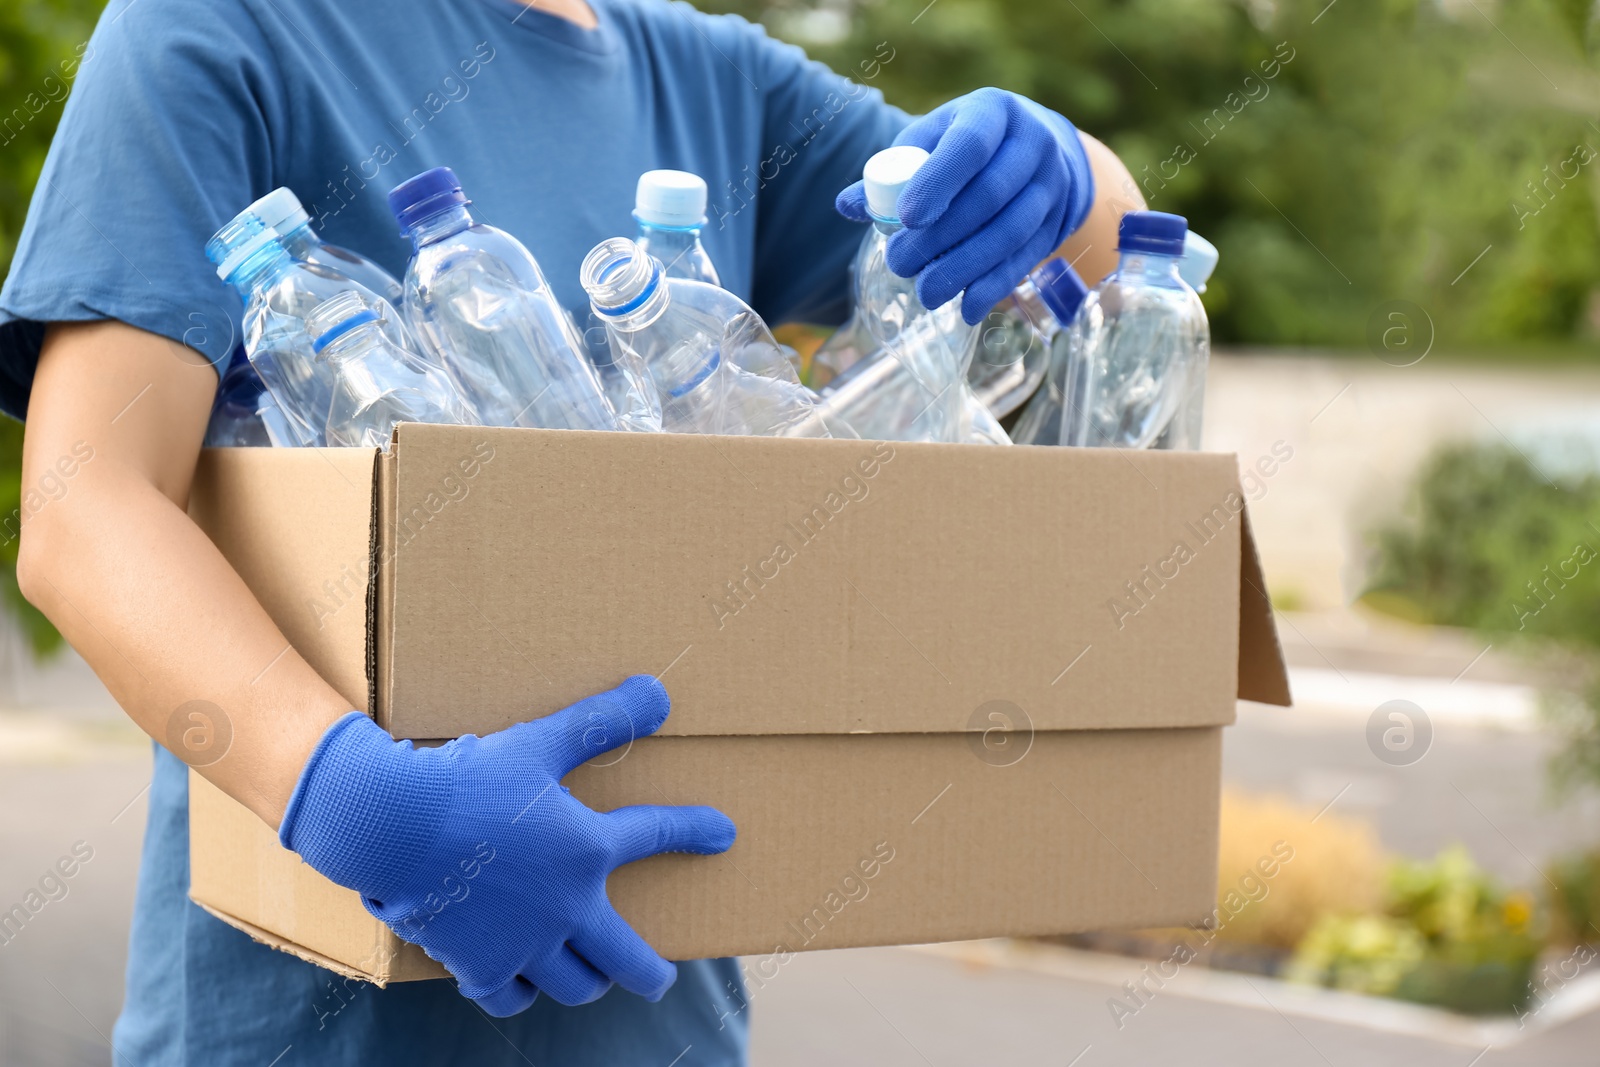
[(945, 692)]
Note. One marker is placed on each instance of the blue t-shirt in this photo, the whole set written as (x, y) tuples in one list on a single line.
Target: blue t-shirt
[(184, 112)]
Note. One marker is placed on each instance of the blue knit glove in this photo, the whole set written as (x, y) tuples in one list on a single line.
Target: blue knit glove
[(475, 851), (1007, 181)]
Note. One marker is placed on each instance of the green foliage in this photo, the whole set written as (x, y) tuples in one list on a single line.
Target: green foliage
[(1380, 158), (1575, 896), (36, 38), (1488, 543), (1448, 936)]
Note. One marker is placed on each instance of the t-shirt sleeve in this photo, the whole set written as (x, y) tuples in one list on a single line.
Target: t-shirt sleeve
[(165, 137), (820, 129)]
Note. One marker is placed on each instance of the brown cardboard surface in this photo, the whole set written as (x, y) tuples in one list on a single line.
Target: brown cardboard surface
[(874, 587), (843, 841), (296, 525), (937, 669)]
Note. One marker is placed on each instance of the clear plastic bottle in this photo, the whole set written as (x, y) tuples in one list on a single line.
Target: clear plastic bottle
[(1013, 353), (279, 292), (880, 400), (695, 340), (235, 413), (282, 211), (1137, 352), (934, 345), (1061, 293), (376, 383), (670, 207), (479, 304)]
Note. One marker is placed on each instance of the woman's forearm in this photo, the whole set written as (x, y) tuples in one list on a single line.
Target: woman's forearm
[(1092, 248), (112, 558)]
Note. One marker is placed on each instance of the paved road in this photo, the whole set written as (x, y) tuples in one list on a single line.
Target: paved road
[(60, 979)]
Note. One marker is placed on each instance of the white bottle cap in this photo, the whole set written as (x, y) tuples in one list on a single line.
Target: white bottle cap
[(886, 174), (1199, 260), (670, 198), (280, 210)]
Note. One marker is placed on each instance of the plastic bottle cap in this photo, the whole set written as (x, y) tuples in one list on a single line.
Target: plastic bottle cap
[(280, 210), (425, 195), (886, 174), (1060, 288), (670, 198), (1199, 260), (1156, 232)]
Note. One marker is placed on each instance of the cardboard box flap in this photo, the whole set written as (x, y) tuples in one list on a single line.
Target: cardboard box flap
[(1263, 676), (296, 524), (949, 588)]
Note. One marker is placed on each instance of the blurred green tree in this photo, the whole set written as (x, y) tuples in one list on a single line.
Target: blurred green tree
[(1341, 154), (40, 43)]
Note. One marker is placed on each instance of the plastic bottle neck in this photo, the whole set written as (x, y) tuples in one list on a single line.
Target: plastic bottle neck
[(1033, 307), (1148, 265), (631, 292), (301, 240), (887, 227), (438, 226), (264, 269)]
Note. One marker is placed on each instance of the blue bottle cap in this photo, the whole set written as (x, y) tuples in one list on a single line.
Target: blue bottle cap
[(1155, 232), (425, 195), (1060, 288)]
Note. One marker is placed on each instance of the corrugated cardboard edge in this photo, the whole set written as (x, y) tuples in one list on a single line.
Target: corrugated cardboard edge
[(1263, 676), (380, 578), (263, 937)]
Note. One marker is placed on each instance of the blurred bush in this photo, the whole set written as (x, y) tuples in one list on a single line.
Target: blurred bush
[(1575, 898), (1491, 542), (1340, 155), (1487, 542), (1336, 866), (1448, 936)]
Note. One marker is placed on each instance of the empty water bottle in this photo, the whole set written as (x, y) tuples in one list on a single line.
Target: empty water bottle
[(880, 400), (282, 211), (480, 306), (1137, 353), (695, 340), (279, 292), (377, 383), (1199, 261), (1013, 353), (670, 206), (235, 413), (934, 345), (1061, 293)]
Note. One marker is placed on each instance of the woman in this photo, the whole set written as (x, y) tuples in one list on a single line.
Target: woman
[(111, 329)]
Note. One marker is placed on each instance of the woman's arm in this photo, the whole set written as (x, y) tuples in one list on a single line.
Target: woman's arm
[(132, 583), (1092, 248)]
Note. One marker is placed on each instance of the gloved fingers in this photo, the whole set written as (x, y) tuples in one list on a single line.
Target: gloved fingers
[(567, 979), (646, 830), (1022, 221), (613, 948), (978, 126), (510, 999), (852, 203), (982, 295), (596, 725), (1014, 167)]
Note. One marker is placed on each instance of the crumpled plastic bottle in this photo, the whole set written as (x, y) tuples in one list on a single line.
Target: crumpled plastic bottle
[(696, 342)]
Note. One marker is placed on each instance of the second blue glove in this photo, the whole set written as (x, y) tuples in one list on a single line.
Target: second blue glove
[(1006, 182), (476, 852)]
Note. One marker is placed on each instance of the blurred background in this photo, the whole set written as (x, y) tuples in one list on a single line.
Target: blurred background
[(1404, 194)]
